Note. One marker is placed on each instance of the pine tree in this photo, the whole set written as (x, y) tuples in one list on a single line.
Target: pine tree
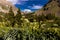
[(11, 17), (18, 17), (50, 16)]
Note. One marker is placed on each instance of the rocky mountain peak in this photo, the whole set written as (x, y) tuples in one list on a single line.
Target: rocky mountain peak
[(5, 5), (52, 7)]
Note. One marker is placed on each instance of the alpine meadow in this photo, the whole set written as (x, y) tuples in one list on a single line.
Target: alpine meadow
[(42, 24)]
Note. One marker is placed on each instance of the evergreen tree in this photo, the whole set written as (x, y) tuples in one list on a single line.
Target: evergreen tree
[(18, 17), (11, 17), (50, 16), (40, 18)]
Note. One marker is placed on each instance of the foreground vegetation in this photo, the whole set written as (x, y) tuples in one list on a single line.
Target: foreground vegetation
[(29, 27)]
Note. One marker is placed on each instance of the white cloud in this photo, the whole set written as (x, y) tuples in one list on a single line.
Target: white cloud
[(27, 11), (17, 1), (13, 1), (24, 0), (35, 7)]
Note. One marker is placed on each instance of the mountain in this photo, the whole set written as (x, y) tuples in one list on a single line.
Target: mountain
[(53, 7), (5, 5)]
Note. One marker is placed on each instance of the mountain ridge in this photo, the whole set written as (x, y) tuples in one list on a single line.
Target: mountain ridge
[(52, 7), (5, 5)]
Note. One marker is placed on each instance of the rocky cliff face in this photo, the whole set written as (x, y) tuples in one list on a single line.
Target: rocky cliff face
[(5, 5), (53, 7)]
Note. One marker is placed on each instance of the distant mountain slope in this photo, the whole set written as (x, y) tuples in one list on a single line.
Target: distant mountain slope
[(53, 7), (5, 5)]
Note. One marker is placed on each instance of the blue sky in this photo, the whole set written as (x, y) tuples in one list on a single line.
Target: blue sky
[(29, 5)]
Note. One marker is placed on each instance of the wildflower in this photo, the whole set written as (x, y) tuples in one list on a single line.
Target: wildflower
[(31, 23), (26, 20), (43, 25), (55, 24), (23, 16)]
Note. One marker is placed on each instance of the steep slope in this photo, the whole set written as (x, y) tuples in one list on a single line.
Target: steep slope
[(52, 7), (5, 5)]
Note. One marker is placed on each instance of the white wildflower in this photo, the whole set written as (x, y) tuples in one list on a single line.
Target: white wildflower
[(34, 20), (26, 20), (43, 25), (23, 16), (55, 24), (31, 23)]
